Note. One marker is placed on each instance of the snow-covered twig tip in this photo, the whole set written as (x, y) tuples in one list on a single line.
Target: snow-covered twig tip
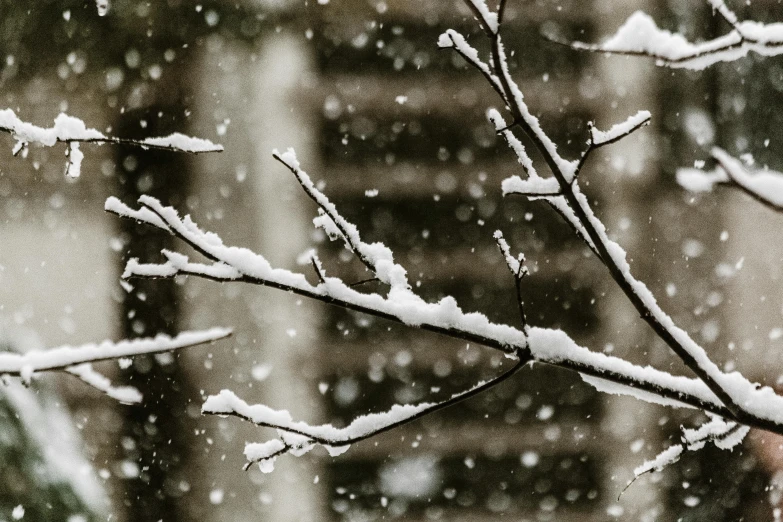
[(620, 130), (73, 131), (76, 359), (515, 265), (763, 185), (298, 438), (640, 36), (725, 435), (518, 270), (376, 257)]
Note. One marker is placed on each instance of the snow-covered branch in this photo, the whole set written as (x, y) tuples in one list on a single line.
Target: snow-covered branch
[(731, 389), (518, 269), (123, 394), (640, 36), (725, 435), (765, 186), (76, 360), (73, 131), (401, 305), (298, 438), (730, 396), (618, 131), (240, 264), (376, 257)]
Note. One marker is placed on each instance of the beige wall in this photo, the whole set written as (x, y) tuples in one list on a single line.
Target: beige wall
[(252, 201)]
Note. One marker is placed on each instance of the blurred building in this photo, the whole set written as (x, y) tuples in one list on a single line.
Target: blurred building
[(396, 132)]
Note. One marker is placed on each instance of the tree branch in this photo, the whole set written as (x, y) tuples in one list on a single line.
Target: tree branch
[(640, 36), (73, 131), (518, 270), (362, 428), (764, 186), (610, 253), (619, 131), (76, 360), (545, 346)]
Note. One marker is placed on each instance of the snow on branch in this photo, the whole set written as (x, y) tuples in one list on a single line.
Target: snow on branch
[(518, 270), (76, 359), (546, 346), (730, 396), (765, 186), (534, 185), (764, 407), (487, 19), (73, 131), (241, 264), (619, 131), (298, 438), (376, 257), (640, 36), (516, 265), (731, 389), (725, 435), (123, 394), (451, 39)]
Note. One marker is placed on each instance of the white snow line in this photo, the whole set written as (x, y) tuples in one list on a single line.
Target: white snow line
[(73, 131), (640, 35), (69, 129), (620, 130), (123, 394), (66, 356)]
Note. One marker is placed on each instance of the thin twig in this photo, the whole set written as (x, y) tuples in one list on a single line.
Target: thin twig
[(336, 219), (518, 270), (105, 140), (317, 269), (734, 182), (363, 281), (720, 7), (592, 145)]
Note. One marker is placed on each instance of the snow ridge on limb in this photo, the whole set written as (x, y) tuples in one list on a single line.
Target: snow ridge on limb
[(451, 39), (488, 19), (76, 359), (298, 438), (123, 394), (72, 131), (377, 257), (619, 130), (640, 36), (725, 435), (763, 185)]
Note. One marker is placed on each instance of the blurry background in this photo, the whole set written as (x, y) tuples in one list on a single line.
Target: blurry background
[(395, 131)]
